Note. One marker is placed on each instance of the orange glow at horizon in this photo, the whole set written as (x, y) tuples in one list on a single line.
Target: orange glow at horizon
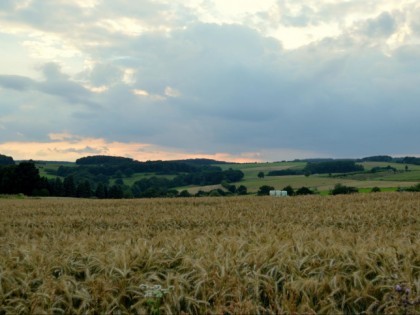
[(67, 147)]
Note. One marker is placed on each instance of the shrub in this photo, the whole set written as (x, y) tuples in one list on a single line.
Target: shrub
[(264, 190), (242, 190), (184, 193), (304, 191), (342, 189), (290, 190)]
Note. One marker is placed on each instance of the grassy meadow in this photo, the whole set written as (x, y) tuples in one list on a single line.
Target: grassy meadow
[(322, 183), (237, 255)]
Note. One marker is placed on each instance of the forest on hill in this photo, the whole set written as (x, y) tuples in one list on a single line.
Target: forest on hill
[(120, 177), (103, 177)]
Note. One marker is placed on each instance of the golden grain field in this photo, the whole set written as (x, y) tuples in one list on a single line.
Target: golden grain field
[(249, 255)]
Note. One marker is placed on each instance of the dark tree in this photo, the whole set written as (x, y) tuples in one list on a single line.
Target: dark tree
[(342, 189), (7, 179), (115, 192), (233, 175), (6, 160), (341, 166), (229, 187), (304, 191), (184, 193), (119, 181), (261, 175), (69, 187), (264, 190), (101, 191), (290, 190), (84, 190), (378, 158), (56, 187), (26, 178), (242, 190), (375, 189)]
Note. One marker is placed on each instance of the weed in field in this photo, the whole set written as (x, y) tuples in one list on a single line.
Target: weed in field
[(404, 300), (154, 296)]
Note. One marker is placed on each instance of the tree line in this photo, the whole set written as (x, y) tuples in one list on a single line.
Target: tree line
[(323, 167), (25, 178)]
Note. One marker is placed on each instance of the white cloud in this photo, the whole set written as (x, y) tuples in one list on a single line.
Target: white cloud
[(127, 26), (96, 89), (85, 4), (171, 92), (129, 76), (64, 136), (140, 92)]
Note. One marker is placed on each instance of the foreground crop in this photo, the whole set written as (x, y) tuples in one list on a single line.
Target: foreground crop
[(342, 254)]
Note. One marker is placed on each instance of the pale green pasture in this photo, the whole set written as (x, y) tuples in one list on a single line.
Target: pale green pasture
[(398, 166), (319, 183), (43, 167)]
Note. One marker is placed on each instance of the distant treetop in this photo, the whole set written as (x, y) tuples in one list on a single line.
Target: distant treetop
[(103, 159), (6, 160), (378, 158), (201, 161)]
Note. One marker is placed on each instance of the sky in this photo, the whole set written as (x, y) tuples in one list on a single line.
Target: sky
[(234, 80)]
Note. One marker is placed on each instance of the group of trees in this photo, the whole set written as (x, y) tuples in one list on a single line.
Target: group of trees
[(415, 188), (321, 167), (23, 178), (387, 158), (101, 169), (83, 189), (6, 160), (80, 180), (339, 166)]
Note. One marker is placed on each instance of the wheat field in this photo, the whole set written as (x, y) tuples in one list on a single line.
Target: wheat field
[(238, 255)]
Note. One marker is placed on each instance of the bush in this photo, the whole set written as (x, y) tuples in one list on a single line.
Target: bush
[(184, 193), (342, 189), (415, 188), (264, 190), (375, 189), (242, 190), (290, 190), (217, 193), (304, 191)]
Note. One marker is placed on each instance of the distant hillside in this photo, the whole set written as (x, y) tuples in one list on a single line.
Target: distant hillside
[(103, 160), (378, 158), (202, 162)]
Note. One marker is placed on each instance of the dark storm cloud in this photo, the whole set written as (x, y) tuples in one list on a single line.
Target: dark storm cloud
[(207, 87), (383, 25), (56, 83), (16, 82)]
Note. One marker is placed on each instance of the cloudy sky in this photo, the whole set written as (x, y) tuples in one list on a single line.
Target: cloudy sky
[(240, 80)]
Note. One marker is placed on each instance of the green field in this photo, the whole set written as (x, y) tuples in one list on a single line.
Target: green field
[(323, 183), (44, 167), (387, 181)]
